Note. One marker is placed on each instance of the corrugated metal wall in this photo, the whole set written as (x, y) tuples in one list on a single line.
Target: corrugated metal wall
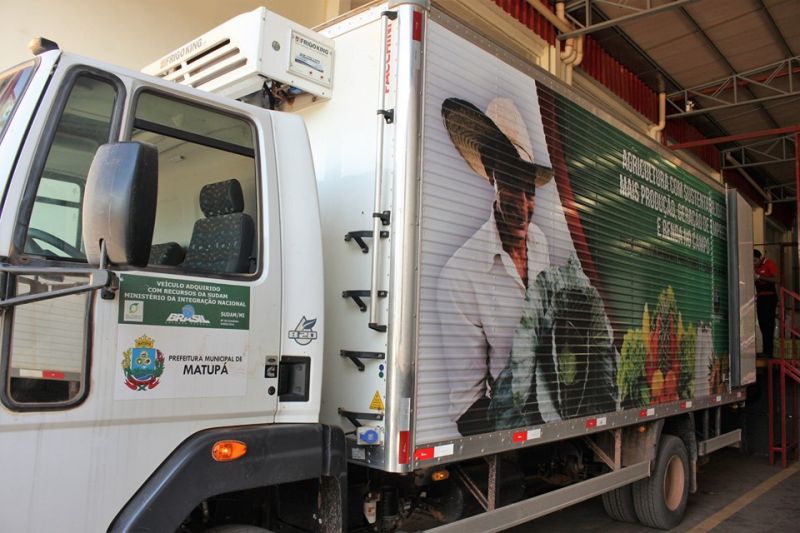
[(523, 12), (598, 64)]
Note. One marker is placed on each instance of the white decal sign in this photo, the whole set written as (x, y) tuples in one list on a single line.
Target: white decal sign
[(154, 363)]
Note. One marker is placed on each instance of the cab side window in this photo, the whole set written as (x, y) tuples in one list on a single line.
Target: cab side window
[(48, 359), (207, 188), (55, 224)]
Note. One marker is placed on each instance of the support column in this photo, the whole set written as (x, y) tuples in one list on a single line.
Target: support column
[(797, 197)]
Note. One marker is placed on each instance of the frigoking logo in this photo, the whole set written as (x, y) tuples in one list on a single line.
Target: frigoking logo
[(187, 316), (312, 45), (304, 332)]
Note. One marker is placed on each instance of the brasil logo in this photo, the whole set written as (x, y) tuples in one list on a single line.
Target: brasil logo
[(187, 315), (142, 364)]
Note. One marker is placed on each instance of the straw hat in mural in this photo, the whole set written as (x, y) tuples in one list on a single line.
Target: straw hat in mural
[(497, 140)]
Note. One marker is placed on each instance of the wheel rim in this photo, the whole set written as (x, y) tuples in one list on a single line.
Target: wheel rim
[(674, 482)]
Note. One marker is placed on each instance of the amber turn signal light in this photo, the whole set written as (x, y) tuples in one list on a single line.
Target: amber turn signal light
[(228, 450), (440, 475)]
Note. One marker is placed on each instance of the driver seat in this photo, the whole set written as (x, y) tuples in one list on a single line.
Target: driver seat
[(222, 241)]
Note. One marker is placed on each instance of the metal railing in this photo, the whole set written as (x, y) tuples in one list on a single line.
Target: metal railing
[(787, 369), (789, 326)]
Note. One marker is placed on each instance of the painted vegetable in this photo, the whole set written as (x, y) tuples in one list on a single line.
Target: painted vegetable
[(665, 371), (562, 362)]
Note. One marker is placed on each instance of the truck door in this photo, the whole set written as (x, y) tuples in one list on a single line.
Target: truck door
[(100, 386)]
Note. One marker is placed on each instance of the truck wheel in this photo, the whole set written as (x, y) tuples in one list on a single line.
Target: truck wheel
[(660, 500), (618, 504), (236, 528)]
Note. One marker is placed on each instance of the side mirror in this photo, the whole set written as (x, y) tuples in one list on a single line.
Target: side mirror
[(119, 206)]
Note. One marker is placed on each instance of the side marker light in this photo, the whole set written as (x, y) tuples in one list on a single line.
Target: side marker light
[(440, 475), (228, 450)]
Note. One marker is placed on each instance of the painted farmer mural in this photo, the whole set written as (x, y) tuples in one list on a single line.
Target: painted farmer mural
[(533, 342)]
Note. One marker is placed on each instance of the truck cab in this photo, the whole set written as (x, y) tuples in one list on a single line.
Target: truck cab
[(161, 294)]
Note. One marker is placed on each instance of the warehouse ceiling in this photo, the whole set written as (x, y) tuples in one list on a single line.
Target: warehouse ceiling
[(714, 54)]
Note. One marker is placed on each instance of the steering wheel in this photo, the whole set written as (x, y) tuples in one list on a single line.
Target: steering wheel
[(35, 234)]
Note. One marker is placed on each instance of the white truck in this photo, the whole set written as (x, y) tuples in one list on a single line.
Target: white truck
[(381, 276)]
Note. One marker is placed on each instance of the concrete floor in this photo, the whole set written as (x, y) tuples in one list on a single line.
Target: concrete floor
[(736, 493)]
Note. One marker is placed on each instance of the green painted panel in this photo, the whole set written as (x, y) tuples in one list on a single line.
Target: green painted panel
[(656, 237), (183, 303)]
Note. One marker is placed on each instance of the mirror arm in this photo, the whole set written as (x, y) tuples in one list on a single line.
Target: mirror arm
[(99, 279)]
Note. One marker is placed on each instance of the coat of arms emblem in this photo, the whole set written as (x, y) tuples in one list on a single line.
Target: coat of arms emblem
[(143, 365)]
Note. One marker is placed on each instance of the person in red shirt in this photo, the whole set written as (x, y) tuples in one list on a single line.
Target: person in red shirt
[(766, 278)]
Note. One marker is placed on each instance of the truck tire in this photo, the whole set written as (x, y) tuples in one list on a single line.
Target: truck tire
[(618, 504), (660, 500), (236, 528)]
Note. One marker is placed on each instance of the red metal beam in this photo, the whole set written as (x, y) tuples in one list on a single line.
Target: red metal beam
[(733, 138)]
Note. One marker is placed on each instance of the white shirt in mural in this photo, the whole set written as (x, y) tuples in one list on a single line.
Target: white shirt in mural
[(480, 303)]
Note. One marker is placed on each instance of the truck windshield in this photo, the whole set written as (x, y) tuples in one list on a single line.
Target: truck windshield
[(12, 86)]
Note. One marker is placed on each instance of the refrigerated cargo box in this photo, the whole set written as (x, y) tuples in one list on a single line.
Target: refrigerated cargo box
[(548, 271)]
